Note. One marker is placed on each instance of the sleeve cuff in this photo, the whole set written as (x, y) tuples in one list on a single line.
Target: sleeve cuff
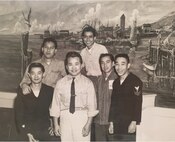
[(93, 113), (54, 114)]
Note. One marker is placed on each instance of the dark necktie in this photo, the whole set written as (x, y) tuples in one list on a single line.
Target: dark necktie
[(72, 99)]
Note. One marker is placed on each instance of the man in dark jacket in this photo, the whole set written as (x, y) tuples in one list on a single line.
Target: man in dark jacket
[(126, 101), (32, 110)]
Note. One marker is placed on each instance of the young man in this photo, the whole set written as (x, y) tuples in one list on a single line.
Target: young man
[(105, 82), (54, 69), (32, 110), (126, 101), (91, 53), (74, 101)]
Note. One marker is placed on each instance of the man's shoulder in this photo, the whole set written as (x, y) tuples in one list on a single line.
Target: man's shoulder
[(47, 87), (100, 48), (58, 61), (116, 80), (135, 78), (99, 45), (83, 51), (85, 79), (62, 79), (37, 61), (113, 75)]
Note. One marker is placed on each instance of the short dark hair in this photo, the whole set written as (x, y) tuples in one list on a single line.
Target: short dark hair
[(73, 54), (34, 65), (106, 55), (122, 55), (49, 39), (88, 28)]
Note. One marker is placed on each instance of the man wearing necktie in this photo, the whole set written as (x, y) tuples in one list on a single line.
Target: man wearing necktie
[(72, 99), (74, 102)]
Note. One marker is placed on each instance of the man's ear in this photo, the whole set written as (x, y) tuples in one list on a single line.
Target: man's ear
[(81, 66), (28, 75), (94, 37), (55, 51), (42, 49), (44, 74), (129, 65), (113, 64), (66, 67)]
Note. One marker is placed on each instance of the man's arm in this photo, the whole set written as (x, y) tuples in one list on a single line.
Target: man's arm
[(138, 102), (24, 83), (19, 112), (55, 110), (132, 127), (111, 128), (56, 127), (138, 107), (87, 127), (25, 79), (113, 104)]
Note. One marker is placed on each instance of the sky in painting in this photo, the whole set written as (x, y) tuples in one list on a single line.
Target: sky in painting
[(73, 14)]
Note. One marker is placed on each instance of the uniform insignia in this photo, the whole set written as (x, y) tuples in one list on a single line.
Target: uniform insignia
[(110, 84), (136, 91)]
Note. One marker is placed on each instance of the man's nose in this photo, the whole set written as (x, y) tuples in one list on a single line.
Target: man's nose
[(48, 49), (105, 65)]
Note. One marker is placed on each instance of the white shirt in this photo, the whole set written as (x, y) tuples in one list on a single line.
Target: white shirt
[(91, 58), (85, 95)]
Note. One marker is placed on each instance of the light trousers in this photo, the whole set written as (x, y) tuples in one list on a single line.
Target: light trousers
[(72, 125)]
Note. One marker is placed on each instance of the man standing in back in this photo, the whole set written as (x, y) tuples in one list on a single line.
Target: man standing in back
[(54, 68), (91, 53)]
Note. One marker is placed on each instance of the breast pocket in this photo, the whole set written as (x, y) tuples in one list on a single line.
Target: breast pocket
[(82, 98), (65, 99), (55, 75), (55, 72)]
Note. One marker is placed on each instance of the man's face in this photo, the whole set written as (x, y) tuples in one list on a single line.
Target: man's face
[(106, 64), (74, 66), (49, 50), (88, 39), (121, 66), (36, 75)]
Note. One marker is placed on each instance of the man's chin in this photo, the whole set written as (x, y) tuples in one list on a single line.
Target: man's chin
[(74, 74), (120, 74), (49, 55), (36, 82), (89, 45)]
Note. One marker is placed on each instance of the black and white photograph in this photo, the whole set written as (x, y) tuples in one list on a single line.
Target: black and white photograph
[(87, 70)]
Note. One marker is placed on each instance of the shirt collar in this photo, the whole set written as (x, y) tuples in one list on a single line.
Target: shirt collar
[(111, 75), (43, 60), (69, 77), (90, 50)]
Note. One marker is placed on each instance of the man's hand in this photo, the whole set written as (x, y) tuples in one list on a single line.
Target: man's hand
[(51, 131), (111, 128), (86, 129), (31, 138), (26, 89), (56, 130), (132, 127)]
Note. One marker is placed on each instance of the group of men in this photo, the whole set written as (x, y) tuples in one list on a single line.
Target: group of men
[(98, 89)]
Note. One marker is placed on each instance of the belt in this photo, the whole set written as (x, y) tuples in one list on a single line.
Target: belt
[(76, 109)]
